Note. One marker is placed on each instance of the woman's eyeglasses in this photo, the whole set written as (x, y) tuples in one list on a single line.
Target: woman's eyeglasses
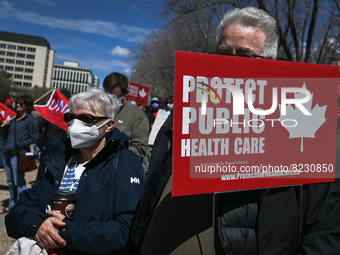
[(20, 103), (87, 118), (245, 55)]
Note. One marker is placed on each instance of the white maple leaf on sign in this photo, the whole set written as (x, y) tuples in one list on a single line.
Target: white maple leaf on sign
[(142, 93), (306, 125)]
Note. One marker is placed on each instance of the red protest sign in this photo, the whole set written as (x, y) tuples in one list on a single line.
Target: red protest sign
[(252, 123), (55, 109), (5, 113), (139, 93)]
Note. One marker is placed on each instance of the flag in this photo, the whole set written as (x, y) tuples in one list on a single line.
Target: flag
[(55, 109), (6, 113)]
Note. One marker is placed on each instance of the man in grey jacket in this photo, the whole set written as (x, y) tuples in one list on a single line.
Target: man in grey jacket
[(131, 120)]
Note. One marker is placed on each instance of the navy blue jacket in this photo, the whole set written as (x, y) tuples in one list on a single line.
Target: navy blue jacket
[(107, 198), (27, 133)]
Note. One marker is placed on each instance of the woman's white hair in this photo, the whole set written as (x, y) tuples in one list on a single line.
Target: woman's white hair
[(252, 17), (96, 100)]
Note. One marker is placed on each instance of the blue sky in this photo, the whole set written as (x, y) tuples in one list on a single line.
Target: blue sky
[(97, 34)]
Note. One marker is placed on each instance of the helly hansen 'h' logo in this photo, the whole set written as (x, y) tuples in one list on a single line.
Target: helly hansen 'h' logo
[(134, 180)]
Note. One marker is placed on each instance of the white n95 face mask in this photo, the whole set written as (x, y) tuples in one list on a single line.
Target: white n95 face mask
[(83, 135)]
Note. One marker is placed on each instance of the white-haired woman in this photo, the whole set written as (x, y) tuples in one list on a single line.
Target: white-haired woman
[(93, 162)]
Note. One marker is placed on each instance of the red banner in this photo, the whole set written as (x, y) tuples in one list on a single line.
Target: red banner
[(252, 123), (55, 109), (5, 113), (139, 93)]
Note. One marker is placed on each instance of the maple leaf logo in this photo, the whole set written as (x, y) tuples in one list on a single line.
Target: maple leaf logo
[(307, 125), (142, 93)]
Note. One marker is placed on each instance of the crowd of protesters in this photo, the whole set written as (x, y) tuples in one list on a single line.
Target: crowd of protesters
[(125, 208)]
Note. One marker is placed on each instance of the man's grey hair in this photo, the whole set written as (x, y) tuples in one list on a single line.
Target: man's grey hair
[(252, 17), (96, 100)]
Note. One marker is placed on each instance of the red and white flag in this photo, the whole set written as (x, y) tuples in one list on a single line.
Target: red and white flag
[(55, 109), (6, 113)]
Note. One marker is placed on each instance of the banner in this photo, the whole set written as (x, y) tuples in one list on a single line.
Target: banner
[(244, 123), (5, 113), (55, 109), (162, 115), (139, 93)]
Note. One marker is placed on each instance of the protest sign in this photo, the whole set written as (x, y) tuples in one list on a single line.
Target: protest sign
[(162, 115), (252, 123), (139, 93)]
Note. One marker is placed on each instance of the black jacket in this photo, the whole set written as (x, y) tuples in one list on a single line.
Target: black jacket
[(288, 220)]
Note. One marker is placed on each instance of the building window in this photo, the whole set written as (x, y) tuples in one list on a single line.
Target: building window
[(2, 52), (30, 56), (10, 61), (18, 76), (28, 70), (1, 67), (27, 84), (21, 48), (30, 49), (2, 60), (10, 68), (21, 55), (19, 69), (18, 83), (29, 63), (28, 77), (12, 47), (9, 53), (2, 45), (20, 62)]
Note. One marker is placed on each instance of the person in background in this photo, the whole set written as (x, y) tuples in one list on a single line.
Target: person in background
[(50, 133), (169, 103), (152, 112), (3, 134), (95, 163), (130, 120), (2, 144), (8, 102), (142, 107), (22, 132), (155, 104)]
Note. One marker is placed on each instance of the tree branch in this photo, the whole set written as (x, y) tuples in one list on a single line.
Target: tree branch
[(311, 30)]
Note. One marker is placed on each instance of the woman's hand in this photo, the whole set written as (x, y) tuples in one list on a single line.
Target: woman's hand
[(56, 214), (47, 236)]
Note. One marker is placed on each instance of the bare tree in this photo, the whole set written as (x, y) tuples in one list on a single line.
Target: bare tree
[(308, 32), (154, 58)]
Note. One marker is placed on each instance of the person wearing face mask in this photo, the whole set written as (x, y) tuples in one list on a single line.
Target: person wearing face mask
[(169, 103), (131, 120), (155, 106), (152, 111), (95, 163)]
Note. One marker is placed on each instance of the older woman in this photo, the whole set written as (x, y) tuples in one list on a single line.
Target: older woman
[(22, 132), (93, 162)]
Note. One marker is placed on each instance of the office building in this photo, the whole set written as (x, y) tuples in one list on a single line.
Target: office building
[(96, 82), (27, 59), (72, 77)]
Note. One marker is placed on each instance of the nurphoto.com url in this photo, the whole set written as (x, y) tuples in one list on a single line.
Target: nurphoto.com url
[(264, 171)]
